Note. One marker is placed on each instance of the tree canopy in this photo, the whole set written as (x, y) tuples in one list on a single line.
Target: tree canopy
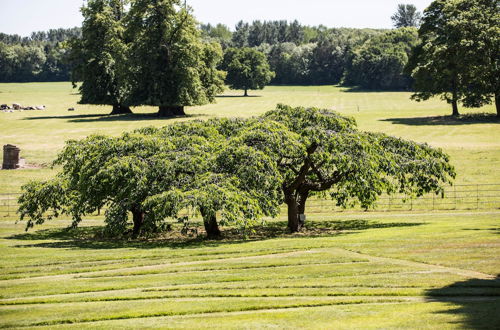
[(237, 169), (171, 66), (406, 15), (100, 57), (207, 168), (246, 68), (458, 57), (351, 165), (380, 62)]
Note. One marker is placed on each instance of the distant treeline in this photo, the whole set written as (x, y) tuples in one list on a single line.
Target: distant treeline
[(40, 57), (369, 58)]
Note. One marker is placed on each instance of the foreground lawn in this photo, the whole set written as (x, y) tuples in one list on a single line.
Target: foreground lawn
[(473, 143), (370, 271)]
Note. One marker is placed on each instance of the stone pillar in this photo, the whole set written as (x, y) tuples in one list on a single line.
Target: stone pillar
[(11, 157)]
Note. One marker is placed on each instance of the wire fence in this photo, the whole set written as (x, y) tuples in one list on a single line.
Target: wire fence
[(457, 197)]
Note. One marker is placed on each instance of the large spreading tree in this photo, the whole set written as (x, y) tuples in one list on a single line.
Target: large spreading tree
[(100, 57), (237, 169), (170, 65), (247, 68), (478, 22), (350, 165)]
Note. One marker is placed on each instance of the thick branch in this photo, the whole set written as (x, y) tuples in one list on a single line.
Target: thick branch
[(304, 170)]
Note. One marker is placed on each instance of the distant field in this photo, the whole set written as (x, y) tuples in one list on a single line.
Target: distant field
[(473, 145), (363, 270)]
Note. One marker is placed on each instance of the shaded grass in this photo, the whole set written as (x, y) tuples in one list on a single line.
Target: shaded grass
[(468, 119)]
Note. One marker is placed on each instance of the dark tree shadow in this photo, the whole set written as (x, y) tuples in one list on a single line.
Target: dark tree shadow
[(112, 118), (359, 89), (236, 96), (468, 119), (494, 230), (478, 301), (92, 237)]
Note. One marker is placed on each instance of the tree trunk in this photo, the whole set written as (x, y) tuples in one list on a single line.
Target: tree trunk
[(497, 103), (138, 218), (169, 111), (246, 92), (210, 223), (454, 105), (454, 101), (120, 109), (301, 207), (293, 214)]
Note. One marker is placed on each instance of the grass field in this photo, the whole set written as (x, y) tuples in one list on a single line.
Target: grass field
[(366, 270)]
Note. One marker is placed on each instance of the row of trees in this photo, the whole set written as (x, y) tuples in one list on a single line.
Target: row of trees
[(297, 54), (231, 172), (41, 57), (139, 56), (151, 54)]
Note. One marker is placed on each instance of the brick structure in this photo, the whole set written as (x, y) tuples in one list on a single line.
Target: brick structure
[(11, 158)]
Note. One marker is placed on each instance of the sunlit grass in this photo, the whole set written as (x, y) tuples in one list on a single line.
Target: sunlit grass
[(363, 270)]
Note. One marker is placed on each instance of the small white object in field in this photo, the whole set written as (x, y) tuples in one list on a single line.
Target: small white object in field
[(40, 107)]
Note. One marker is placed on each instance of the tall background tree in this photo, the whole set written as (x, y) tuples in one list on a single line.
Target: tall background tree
[(458, 58), (100, 56), (437, 63), (246, 69), (406, 15), (478, 22), (167, 58)]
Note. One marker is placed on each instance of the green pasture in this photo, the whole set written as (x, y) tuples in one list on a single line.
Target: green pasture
[(473, 143), (422, 270), (355, 271)]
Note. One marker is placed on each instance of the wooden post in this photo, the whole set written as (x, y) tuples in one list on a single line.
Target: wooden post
[(477, 197)]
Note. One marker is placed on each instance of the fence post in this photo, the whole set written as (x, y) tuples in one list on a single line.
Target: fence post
[(8, 206), (433, 201), (477, 197), (455, 194)]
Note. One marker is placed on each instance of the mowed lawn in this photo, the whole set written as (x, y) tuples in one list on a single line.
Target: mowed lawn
[(362, 270), (372, 271)]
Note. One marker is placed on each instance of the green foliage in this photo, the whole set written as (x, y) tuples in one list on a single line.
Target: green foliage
[(406, 16), (478, 23), (100, 57), (246, 69), (170, 65), (380, 62), (353, 166), (458, 58), (219, 33), (40, 57), (156, 173)]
